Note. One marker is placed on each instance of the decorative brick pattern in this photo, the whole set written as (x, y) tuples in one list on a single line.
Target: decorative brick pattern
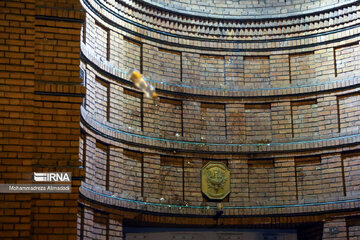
[(221, 8)]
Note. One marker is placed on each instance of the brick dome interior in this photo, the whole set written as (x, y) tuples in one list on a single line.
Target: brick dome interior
[(269, 89)]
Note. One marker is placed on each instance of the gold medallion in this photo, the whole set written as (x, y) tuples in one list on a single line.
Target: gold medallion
[(215, 180)]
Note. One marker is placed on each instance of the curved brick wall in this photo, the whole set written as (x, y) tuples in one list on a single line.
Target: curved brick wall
[(248, 9), (277, 101)]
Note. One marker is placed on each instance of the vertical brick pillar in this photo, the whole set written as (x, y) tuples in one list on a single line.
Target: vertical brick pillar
[(281, 120), (191, 68), (151, 115), (115, 227), (192, 184), (235, 120), (234, 71), (335, 229), (327, 115), (151, 177), (279, 71), (332, 171), (239, 179), (285, 179), (58, 95), (325, 67), (192, 119)]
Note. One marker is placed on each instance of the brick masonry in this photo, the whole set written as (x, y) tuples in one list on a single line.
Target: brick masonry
[(41, 94), (277, 104), (238, 89)]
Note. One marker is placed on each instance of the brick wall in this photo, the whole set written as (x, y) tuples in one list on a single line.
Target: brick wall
[(246, 8), (256, 72), (131, 54), (213, 121), (244, 95), (42, 93), (102, 41), (304, 118), (170, 117), (302, 68), (282, 119), (235, 122), (190, 68), (99, 224), (261, 181), (346, 59), (40, 108), (171, 179), (225, 71), (102, 89), (309, 177), (234, 70), (258, 123), (101, 165), (351, 179), (212, 70), (161, 64), (353, 227), (348, 109), (133, 169), (133, 110)]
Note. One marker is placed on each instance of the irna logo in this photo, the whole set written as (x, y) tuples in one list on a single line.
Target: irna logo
[(52, 177)]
